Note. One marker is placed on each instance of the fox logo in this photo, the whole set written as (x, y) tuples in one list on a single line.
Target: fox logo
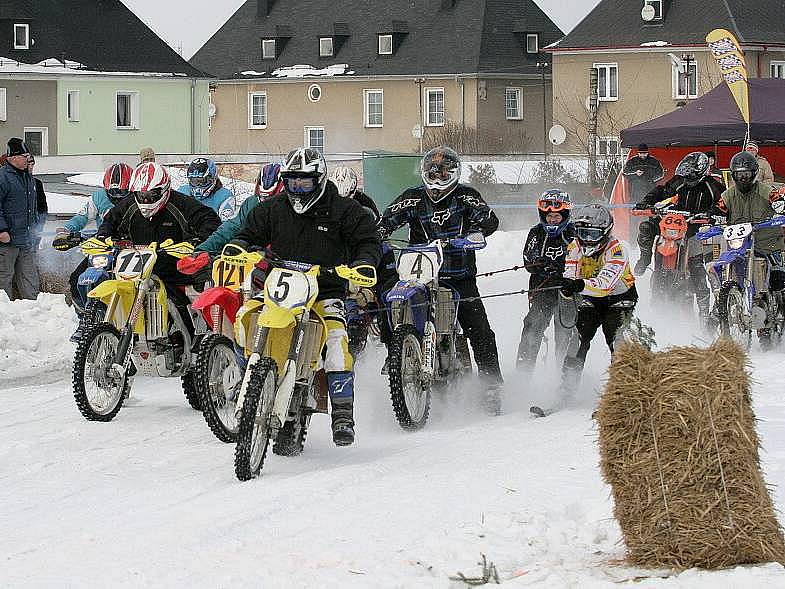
[(554, 253), (439, 217)]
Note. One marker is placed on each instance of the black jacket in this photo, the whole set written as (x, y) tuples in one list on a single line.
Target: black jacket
[(462, 212), (182, 219), (18, 206), (700, 198), (334, 231), (368, 203), (543, 255), (652, 173)]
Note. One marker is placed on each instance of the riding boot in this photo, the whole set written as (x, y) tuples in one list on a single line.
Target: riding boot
[(341, 388), (76, 337), (642, 263), (571, 379), (647, 231)]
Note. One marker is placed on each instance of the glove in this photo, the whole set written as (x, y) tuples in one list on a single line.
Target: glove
[(641, 206), (64, 241), (190, 265), (572, 286)]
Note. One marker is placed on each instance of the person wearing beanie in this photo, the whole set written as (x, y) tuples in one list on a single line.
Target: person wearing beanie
[(18, 221), (643, 171)]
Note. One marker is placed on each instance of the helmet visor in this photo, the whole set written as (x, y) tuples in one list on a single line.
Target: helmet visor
[(743, 176), (117, 193), (438, 173), (300, 184), (148, 197), (589, 234), (200, 182)]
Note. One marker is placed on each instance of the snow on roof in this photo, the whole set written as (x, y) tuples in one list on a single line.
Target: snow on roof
[(655, 44), (302, 71), (252, 73), (53, 66)]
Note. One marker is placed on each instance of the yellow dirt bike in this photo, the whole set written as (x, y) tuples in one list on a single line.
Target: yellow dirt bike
[(142, 332), (284, 337)]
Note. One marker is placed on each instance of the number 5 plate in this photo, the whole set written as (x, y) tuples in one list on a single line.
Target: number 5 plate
[(288, 289)]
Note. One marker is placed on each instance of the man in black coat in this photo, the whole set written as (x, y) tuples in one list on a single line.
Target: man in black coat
[(643, 171)]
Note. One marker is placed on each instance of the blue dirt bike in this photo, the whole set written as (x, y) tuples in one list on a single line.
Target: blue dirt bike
[(739, 280), (427, 349)]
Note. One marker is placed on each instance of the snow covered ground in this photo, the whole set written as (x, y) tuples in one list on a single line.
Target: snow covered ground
[(150, 499)]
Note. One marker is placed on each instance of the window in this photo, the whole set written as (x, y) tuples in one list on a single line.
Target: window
[(385, 44), (127, 110), (778, 69), (607, 81), (21, 36), (314, 138), (434, 107), (325, 47), (3, 104), (513, 103), (685, 81), (37, 140), (72, 105), (257, 110), (532, 43), (314, 92), (374, 108), (657, 6), (608, 146), (268, 48)]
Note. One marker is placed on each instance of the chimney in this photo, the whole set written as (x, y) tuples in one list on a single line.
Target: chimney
[(264, 7)]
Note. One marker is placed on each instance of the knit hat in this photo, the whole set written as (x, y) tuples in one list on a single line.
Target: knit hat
[(146, 153), (643, 147), (16, 146)]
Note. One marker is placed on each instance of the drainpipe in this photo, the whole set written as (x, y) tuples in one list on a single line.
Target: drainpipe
[(193, 115), (462, 83), (420, 82)]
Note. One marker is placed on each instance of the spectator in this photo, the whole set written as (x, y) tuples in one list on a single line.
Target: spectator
[(18, 220), (713, 169), (41, 205), (643, 172), (146, 154), (765, 173)]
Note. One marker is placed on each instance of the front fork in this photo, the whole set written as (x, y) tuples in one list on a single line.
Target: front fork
[(122, 359)]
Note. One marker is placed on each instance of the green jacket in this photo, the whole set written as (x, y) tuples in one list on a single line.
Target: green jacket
[(229, 228), (753, 208)]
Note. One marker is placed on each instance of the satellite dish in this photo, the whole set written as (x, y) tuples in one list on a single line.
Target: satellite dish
[(648, 13), (557, 135), (211, 110)]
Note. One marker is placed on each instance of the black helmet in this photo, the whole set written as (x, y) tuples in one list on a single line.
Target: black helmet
[(593, 224), (440, 171), (693, 168), (743, 170)]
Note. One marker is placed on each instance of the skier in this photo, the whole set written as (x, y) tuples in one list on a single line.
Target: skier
[(442, 208), (205, 186), (311, 223), (543, 256), (597, 267)]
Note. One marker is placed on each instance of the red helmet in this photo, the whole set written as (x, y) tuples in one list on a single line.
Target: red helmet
[(117, 179), (268, 182), (150, 184)]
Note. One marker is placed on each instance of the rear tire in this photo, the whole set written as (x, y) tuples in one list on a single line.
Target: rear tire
[(731, 315), (217, 379), (411, 397), (99, 395), (253, 435)]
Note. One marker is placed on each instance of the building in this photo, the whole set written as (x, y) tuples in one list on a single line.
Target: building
[(648, 57), (344, 76), (88, 77)]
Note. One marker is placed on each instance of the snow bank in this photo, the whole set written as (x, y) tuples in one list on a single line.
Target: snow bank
[(525, 171), (34, 336)]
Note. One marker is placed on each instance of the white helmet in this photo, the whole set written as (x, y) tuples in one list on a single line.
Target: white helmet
[(345, 180), (304, 176), (440, 171), (150, 185)]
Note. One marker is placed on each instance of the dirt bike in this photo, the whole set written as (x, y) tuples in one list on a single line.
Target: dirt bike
[(219, 364), (283, 386), (427, 349), (142, 332), (740, 279)]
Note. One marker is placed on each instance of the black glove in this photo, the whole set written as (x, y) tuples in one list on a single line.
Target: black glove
[(641, 206), (572, 286)]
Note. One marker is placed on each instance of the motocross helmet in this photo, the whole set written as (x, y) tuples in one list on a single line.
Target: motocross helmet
[(202, 177), (554, 201), (117, 179), (743, 170), (345, 180), (268, 181), (693, 168), (150, 184), (304, 176), (593, 224), (440, 171)]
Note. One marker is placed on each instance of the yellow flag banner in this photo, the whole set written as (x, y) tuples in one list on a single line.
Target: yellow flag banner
[(730, 59)]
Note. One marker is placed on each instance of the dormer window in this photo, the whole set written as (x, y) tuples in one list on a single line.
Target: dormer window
[(21, 36), (385, 44), (532, 43), (326, 48), (656, 6), (268, 49)]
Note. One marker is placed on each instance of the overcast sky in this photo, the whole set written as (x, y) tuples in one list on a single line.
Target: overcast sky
[(187, 24)]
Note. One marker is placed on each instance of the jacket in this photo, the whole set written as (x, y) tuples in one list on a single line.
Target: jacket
[(753, 207), (222, 200), (606, 274), (334, 231), (43, 208), (94, 209), (229, 228), (462, 212), (18, 206), (765, 173), (543, 255), (652, 173), (182, 219), (368, 203), (701, 198)]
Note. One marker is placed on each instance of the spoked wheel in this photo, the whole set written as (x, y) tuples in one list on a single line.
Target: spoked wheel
[(99, 389), (253, 435), (291, 438), (218, 378), (411, 397), (771, 337), (732, 314)]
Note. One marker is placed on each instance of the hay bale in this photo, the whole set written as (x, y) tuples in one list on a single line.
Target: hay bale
[(679, 448), (53, 282)]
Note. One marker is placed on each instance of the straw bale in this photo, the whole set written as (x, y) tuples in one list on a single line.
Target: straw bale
[(679, 448)]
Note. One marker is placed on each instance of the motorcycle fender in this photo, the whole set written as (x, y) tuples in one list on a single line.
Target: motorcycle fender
[(276, 317), (228, 300), (124, 288), (404, 290), (283, 396), (92, 276)]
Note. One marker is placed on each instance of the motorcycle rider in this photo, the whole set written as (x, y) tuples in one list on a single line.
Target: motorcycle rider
[(311, 223), (694, 190), (206, 187), (543, 256), (597, 267), (154, 214), (443, 208), (345, 180), (117, 178)]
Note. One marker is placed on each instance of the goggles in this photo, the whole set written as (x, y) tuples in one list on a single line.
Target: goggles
[(589, 234), (552, 205), (117, 192), (148, 197), (300, 184), (438, 173), (201, 182), (743, 175)]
